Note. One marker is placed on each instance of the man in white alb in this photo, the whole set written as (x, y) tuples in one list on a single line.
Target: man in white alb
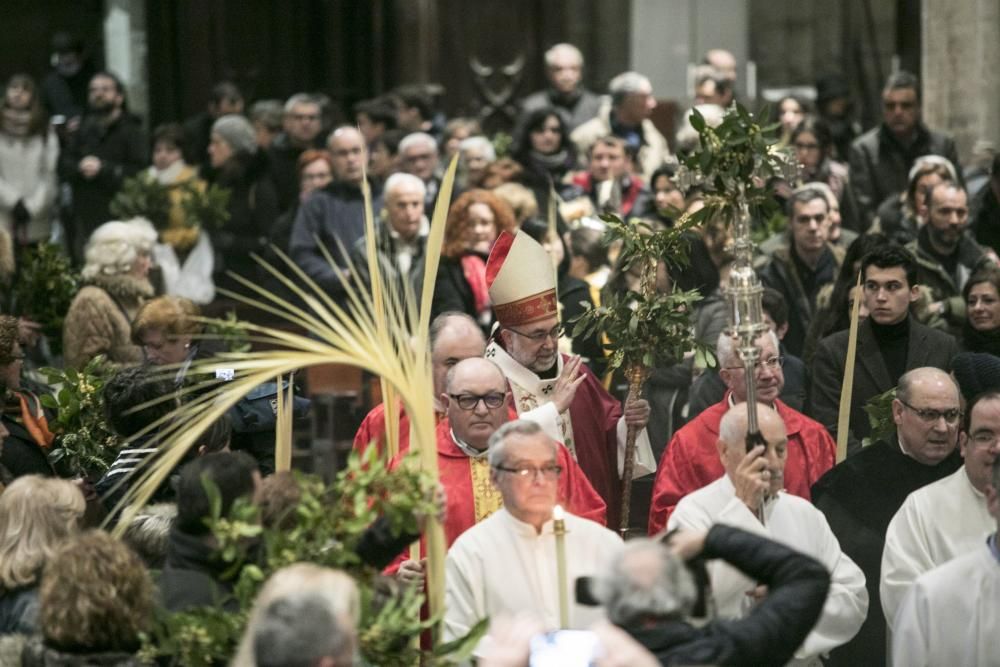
[(506, 564), (950, 616), (750, 496), (948, 518)]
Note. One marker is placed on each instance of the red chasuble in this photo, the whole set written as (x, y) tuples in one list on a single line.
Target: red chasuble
[(691, 459), (472, 497), (372, 430)]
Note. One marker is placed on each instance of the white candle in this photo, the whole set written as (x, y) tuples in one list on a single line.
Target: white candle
[(559, 528)]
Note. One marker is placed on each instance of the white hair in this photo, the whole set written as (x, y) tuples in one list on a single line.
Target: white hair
[(499, 440), (645, 579), (299, 98), (925, 161), (687, 136), (482, 144), (627, 83), (553, 53), (114, 246), (415, 139), (403, 180), (725, 349)]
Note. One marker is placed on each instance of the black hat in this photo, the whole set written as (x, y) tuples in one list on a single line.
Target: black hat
[(976, 372)]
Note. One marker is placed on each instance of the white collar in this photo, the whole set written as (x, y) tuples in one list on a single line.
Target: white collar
[(466, 448)]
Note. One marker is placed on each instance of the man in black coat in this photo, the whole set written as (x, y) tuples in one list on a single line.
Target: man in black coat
[(861, 495), (302, 122), (335, 215), (654, 606), (880, 159), (890, 342), (109, 147)]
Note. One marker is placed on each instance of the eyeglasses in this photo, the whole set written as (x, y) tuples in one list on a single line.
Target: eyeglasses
[(537, 337), (470, 401), (930, 416), (984, 439), (773, 364), (548, 473)]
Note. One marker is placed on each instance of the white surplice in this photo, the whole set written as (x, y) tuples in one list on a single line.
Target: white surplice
[(532, 402), (794, 522), (950, 617), (503, 566), (936, 523)]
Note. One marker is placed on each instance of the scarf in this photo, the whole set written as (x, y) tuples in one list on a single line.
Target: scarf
[(980, 341), (474, 270), (552, 161), (16, 122)]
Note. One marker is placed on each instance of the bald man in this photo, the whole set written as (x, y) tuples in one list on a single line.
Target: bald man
[(453, 336), (860, 495), (750, 495), (334, 215)]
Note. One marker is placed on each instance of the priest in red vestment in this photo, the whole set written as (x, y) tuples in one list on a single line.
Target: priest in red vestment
[(454, 336), (476, 402), (691, 459), (554, 390)]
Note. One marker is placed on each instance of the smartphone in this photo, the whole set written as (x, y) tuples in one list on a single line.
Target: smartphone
[(564, 648)]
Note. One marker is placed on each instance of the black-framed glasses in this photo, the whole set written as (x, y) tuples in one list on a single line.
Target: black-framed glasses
[(554, 333), (530, 472), (774, 363), (470, 401), (930, 415)]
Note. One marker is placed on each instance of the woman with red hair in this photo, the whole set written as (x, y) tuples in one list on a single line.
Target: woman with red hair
[(475, 220)]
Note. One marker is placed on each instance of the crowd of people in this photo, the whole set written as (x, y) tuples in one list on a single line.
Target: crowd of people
[(858, 562)]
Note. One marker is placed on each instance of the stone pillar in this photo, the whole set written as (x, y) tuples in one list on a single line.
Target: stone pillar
[(125, 50), (961, 70)]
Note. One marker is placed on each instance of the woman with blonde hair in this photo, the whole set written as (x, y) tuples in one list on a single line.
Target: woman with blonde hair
[(335, 588), (116, 283), (36, 515), (166, 328)]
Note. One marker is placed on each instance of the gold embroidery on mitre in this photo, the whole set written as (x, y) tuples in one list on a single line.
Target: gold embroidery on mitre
[(486, 498)]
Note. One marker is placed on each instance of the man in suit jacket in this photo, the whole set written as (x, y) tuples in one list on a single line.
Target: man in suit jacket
[(890, 342)]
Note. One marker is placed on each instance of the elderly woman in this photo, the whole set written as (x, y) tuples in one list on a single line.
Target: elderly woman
[(116, 282), (474, 221), (96, 601), (238, 165), (36, 515), (477, 154), (981, 332), (165, 329)]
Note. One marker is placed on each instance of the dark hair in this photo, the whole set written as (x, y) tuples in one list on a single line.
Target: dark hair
[(988, 395), (225, 91), (390, 139), (803, 196), (232, 473), (819, 129), (806, 106), (127, 390), (119, 86), (588, 244), (413, 96), (669, 170), (217, 436), (774, 304), (833, 317), (379, 110), (169, 133), (39, 121), (890, 256), (532, 122), (902, 79)]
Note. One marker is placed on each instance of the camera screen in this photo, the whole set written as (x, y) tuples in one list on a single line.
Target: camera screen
[(563, 648)]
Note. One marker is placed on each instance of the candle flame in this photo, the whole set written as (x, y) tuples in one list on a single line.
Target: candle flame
[(557, 513)]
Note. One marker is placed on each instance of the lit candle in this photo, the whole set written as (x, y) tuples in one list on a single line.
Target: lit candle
[(559, 528)]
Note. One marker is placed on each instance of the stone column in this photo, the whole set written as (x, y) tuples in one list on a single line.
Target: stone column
[(125, 50), (961, 70)]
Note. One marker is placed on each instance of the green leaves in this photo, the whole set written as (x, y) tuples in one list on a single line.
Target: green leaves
[(142, 196), (644, 327), (45, 286), (206, 208), (323, 525), (879, 411), (85, 444)]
